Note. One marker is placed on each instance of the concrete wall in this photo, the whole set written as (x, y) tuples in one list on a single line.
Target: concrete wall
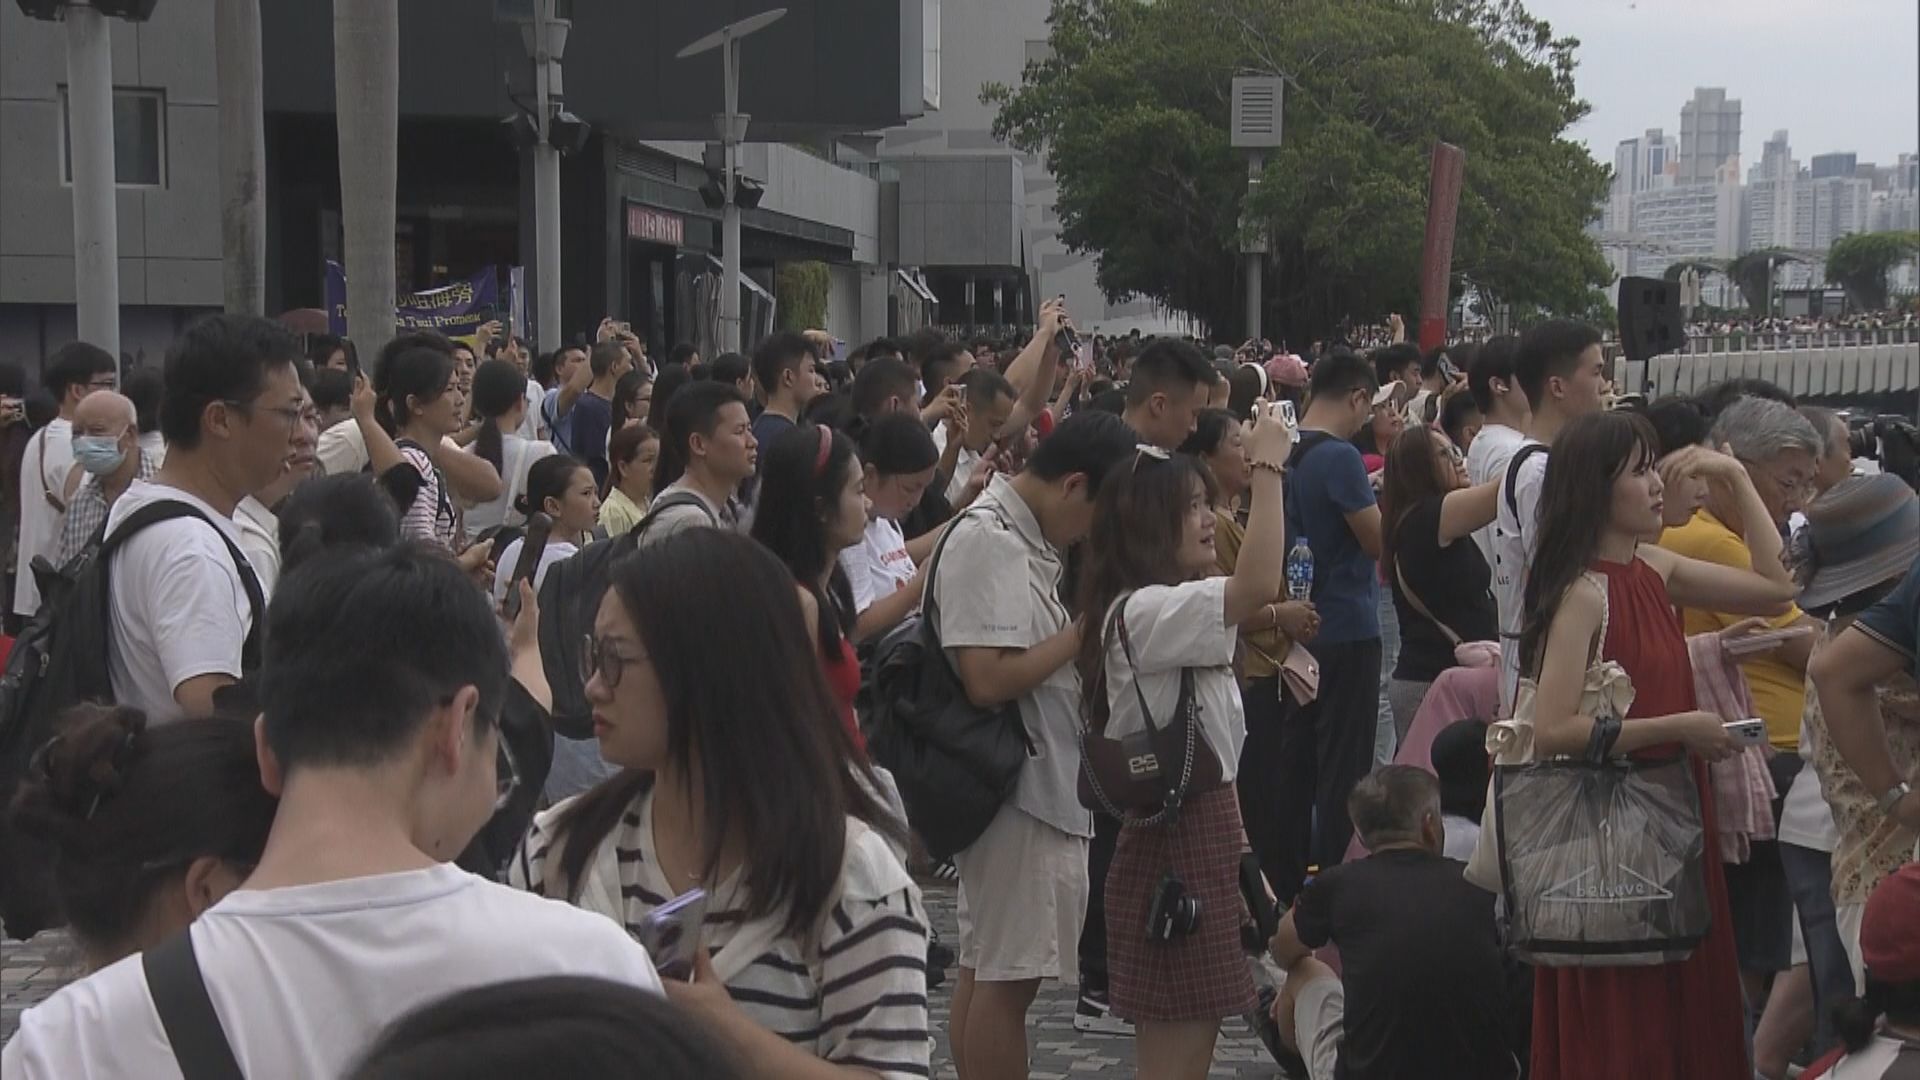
[(169, 236), (1839, 372)]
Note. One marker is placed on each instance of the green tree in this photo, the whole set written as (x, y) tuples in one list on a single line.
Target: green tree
[(1753, 274), (800, 292), (1860, 263), (1131, 113)]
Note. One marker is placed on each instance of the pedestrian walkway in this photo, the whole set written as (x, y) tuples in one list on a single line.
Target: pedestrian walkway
[(31, 971)]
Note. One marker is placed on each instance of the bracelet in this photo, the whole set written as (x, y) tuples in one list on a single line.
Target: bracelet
[(1268, 466), (1273, 615)]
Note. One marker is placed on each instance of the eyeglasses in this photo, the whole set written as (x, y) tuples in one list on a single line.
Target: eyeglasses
[(1789, 486), (292, 414), (106, 383), (506, 776), (600, 656)]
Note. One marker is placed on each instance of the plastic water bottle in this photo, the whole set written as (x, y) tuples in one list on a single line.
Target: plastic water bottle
[(1300, 570)]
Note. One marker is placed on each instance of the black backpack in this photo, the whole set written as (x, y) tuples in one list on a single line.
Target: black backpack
[(954, 762), (570, 598), (60, 660)]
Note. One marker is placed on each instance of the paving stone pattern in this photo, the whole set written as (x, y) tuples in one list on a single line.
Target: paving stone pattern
[(30, 971)]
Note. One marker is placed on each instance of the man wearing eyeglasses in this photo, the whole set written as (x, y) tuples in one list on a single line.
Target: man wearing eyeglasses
[(184, 598), (1780, 452)]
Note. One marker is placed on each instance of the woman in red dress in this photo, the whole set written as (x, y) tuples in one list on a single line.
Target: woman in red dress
[(1600, 510)]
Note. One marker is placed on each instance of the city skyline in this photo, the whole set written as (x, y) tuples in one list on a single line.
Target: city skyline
[(1639, 61)]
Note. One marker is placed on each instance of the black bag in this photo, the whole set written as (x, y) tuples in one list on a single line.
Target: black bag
[(954, 762), (59, 661), (569, 599), (1143, 778), (526, 749)]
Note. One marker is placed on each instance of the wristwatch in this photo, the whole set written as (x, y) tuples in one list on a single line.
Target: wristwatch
[(1890, 798)]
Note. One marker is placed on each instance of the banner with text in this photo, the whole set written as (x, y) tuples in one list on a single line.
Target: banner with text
[(458, 310)]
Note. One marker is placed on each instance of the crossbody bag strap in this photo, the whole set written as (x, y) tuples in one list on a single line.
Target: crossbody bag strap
[(46, 489), (179, 993), (1413, 598)]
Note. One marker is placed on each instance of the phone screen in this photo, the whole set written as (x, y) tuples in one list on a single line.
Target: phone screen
[(674, 932)]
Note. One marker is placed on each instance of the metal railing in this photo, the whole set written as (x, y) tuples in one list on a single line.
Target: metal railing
[(1731, 341)]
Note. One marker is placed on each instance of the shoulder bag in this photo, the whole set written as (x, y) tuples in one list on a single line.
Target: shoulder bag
[(1475, 654), (1143, 778)]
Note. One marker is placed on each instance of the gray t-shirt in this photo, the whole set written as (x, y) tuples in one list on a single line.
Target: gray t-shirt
[(678, 519), (998, 586)]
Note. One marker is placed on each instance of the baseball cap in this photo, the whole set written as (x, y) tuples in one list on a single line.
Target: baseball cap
[(1890, 928)]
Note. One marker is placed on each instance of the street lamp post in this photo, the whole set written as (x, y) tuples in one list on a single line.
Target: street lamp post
[(96, 243), (732, 126), (546, 41)]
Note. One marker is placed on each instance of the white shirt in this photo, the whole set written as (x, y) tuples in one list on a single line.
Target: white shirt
[(517, 455), (43, 468), (1172, 628), (1463, 836), (878, 565), (303, 978), (963, 464), (509, 558), (179, 609), (343, 448), (260, 541), (1513, 547), (532, 428), (1486, 459), (154, 445)]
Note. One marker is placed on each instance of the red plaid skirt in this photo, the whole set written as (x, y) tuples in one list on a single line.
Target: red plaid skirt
[(1202, 976)]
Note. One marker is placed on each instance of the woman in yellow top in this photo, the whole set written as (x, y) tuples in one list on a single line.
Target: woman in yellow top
[(631, 454), (1217, 442)]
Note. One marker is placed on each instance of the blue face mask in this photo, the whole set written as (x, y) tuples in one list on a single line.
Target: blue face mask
[(98, 454)]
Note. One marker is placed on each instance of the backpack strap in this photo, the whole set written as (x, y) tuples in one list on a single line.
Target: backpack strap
[(1519, 458), (669, 502), (168, 509), (46, 488), (179, 993), (1305, 445)]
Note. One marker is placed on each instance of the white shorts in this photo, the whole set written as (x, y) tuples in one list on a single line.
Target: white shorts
[(1319, 1025), (1023, 899)]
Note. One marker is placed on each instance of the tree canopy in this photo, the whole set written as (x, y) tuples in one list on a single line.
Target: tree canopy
[(1753, 273), (1859, 263), (1131, 113)]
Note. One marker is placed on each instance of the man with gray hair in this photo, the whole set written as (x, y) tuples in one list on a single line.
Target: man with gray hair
[(1780, 451), (106, 446), (1423, 989)]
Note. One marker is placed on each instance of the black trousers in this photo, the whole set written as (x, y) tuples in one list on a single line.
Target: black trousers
[(1302, 777), (1262, 810), (1093, 933)]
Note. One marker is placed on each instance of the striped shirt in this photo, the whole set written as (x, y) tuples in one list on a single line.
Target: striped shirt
[(853, 991), (430, 517)]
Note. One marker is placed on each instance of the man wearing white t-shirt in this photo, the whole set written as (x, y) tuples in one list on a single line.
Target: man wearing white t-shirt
[(1497, 394), (181, 610), (74, 371), (381, 697), (1561, 370)]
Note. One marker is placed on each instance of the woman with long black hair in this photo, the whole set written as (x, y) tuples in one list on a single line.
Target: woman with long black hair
[(813, 505), (1596, 567), (900, 460), (813, 953), (500, 403), (1156, 613), (416, 406)]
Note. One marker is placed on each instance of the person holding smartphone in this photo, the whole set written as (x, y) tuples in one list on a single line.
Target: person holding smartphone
[(812, 951)]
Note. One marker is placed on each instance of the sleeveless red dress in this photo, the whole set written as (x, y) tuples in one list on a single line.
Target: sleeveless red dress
[(1676, 1021)]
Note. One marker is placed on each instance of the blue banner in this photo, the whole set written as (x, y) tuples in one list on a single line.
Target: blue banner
[(457, 310)]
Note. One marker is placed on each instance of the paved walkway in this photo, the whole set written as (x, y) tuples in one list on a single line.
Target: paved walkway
[(30, 971)]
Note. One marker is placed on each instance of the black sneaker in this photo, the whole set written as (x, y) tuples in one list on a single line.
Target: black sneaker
[(1093, 1016)]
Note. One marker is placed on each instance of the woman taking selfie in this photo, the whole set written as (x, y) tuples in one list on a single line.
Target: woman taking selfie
[(1600, 512), (1149, 581), (810, 961), (813, 505)]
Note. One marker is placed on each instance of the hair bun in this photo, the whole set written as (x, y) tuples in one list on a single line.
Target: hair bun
[(88, 761)]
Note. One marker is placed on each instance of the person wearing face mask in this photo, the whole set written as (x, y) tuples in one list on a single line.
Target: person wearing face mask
[(106, 445)]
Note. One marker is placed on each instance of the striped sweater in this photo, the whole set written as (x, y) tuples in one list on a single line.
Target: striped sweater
[(853, 992)]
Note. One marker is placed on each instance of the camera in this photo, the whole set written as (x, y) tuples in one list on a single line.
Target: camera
[(1891, 440), (1173, 912)]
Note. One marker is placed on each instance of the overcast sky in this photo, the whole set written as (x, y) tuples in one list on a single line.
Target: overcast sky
[(1837, 74)]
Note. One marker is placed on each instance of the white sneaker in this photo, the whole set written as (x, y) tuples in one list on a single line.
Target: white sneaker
[(1093, 1016)]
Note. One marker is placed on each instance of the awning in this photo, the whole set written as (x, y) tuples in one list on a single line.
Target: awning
[(917, 286), (752, 285)]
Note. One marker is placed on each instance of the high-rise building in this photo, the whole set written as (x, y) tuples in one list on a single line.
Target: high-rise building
[(1709, 135), (1776, 159), (1838, 164), (1644, 163)]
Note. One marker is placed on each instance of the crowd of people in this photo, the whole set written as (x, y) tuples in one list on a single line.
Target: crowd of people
[(471, 710)]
